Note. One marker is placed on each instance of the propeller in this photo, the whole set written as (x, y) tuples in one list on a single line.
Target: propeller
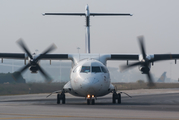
[(144, 62), (34, 61)]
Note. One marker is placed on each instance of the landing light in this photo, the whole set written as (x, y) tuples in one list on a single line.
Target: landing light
[(88, 96), (92, 96)]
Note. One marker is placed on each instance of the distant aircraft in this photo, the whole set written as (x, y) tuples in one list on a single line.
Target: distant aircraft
[(89, 76), (162, 78)]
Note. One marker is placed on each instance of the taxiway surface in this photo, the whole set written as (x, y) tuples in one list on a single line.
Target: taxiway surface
[(150, 104)]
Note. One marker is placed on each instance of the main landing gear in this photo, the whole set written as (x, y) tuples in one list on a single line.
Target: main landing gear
[(116, 96), (90, 100), (61, 97)]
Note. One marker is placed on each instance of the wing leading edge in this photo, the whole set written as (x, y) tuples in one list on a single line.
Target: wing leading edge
[(91, 14), (24, 56), (124, 57), (157, 57), (110, 14), (78, 14), (13, 55)]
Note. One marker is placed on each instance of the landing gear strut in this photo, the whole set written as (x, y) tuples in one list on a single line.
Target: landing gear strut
[(61, 97), (116, 96)]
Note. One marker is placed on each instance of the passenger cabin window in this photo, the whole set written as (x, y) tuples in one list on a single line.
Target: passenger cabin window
[(96, 69), (85, 69), (104, 69)]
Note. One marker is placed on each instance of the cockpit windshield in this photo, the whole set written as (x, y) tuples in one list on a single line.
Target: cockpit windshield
[(96, 69), (85, 69)]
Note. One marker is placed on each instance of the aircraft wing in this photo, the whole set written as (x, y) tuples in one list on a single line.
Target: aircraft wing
[(91, 14), (24, 56), (55, 57), (156, 57), (110, 14), (159, 57)]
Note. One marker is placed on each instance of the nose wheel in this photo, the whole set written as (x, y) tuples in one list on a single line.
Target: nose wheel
[(90, 100), (61, 97)]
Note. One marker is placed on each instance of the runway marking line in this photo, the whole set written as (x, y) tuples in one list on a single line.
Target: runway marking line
[(61, 116)]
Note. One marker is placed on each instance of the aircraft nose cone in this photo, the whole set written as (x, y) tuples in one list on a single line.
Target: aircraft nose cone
[(91, 85)]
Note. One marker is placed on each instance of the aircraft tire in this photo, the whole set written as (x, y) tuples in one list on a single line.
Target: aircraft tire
[(63, 98), (113, 98), (88, 101), (119, 98), (93, 101), (58, 98)]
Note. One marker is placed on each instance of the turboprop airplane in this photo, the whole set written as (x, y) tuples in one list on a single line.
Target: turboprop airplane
[(89, 76)]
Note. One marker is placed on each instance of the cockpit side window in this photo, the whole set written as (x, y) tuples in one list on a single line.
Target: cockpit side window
[(104, 69), (85, 69), (96, 69)]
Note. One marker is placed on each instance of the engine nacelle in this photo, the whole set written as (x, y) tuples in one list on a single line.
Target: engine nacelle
[(148, 57), (144, 69), (33, 69)]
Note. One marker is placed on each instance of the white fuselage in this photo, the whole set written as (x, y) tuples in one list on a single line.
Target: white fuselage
[(89, 77)]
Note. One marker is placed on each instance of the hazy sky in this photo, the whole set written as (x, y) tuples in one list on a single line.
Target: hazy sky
[(157, 20)]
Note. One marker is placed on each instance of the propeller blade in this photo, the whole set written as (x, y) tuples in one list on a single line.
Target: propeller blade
[(150, 80), (17, 74), (48, 79), (144, 64), (24, 48), (24, 68), (129, 66), (141, 43), (49, 49), (35, 61)]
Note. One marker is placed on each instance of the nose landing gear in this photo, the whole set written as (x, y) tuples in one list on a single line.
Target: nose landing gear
[(90, 99)]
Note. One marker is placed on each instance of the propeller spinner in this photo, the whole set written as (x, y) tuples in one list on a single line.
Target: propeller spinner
[(33, 63)]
